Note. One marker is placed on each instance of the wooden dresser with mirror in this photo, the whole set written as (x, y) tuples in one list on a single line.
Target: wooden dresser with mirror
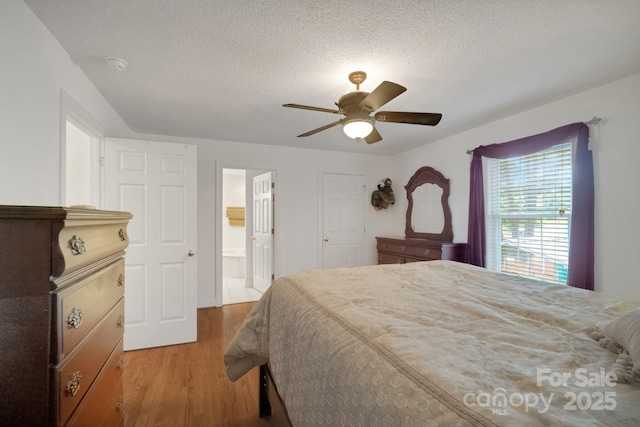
[(428, 229), (62, 311)]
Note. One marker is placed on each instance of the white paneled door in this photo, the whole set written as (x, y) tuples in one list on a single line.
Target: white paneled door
[(343, 202), (262, 236), (156, 182)]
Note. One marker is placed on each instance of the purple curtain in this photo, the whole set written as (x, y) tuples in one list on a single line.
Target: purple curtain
[(581, 245)]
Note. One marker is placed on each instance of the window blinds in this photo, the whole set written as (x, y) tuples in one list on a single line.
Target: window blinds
[(529, 213)]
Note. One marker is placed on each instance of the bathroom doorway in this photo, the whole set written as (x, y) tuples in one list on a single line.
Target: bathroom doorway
[(237, 233)]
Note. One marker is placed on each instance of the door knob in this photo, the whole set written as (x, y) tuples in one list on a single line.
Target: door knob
[(191, 253), (326, 239), (253, 237)]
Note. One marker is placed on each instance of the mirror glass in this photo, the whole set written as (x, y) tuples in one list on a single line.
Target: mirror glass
[(427, 215)]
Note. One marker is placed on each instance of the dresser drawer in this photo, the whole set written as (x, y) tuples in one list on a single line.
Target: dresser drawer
[(78, 371), (81, 306), (397, 248), (81, 245), (389, 259), (393, 250), (424, 253), (104, 403), (400, 249)]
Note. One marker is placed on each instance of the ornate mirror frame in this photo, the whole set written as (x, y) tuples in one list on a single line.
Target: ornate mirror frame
[(428, 175)]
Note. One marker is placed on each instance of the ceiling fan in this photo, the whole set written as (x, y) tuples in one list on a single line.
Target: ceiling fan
[(358, 105)]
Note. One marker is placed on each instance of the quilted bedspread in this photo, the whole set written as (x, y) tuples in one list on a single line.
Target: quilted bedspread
[(434, 343)]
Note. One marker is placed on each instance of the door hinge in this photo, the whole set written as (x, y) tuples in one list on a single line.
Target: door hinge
[(273, 277), (101, 161), (273, 231), (273, 184)]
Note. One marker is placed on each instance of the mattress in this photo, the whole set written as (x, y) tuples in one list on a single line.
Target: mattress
[(434, 343)]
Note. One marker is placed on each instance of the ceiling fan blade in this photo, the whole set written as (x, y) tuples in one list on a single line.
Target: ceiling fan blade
[(374, 136), (311, 132), (307, 107), (384, 93), (430, 119)]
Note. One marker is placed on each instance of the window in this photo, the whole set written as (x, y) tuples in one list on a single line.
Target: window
[(529, 214)]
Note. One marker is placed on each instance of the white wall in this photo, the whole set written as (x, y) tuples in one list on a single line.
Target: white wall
[(34, 71), (616, 151)]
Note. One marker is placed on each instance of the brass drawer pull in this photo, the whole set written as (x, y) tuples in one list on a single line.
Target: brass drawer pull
[(120, 364), (73, 385), (75, 318), (121, 280), (120, 405), (123, 234), (121, 321), (77, 245)]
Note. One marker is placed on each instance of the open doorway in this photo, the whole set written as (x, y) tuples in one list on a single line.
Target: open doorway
[(238, 236), (82, 146), (82, 157)]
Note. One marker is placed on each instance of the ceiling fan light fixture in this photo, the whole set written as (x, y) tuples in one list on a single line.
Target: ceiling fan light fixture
[(358, 105), (358, 128)]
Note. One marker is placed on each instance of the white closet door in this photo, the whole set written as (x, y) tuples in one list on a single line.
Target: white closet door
[(343, 202)]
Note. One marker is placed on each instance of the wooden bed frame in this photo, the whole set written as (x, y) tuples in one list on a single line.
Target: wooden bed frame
[(271, 405)]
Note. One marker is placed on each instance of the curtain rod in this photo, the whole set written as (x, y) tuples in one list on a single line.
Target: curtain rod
[(594, 121)]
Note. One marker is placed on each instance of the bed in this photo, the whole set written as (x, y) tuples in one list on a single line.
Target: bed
[(442, 343)]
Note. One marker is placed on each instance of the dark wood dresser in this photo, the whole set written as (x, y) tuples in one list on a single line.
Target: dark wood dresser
[(62, 313), (402, 250)]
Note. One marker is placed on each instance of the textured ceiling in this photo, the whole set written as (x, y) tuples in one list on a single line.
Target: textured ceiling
[(222, 69)]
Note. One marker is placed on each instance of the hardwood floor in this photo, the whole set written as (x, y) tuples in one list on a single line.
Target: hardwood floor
[(187, 385)]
